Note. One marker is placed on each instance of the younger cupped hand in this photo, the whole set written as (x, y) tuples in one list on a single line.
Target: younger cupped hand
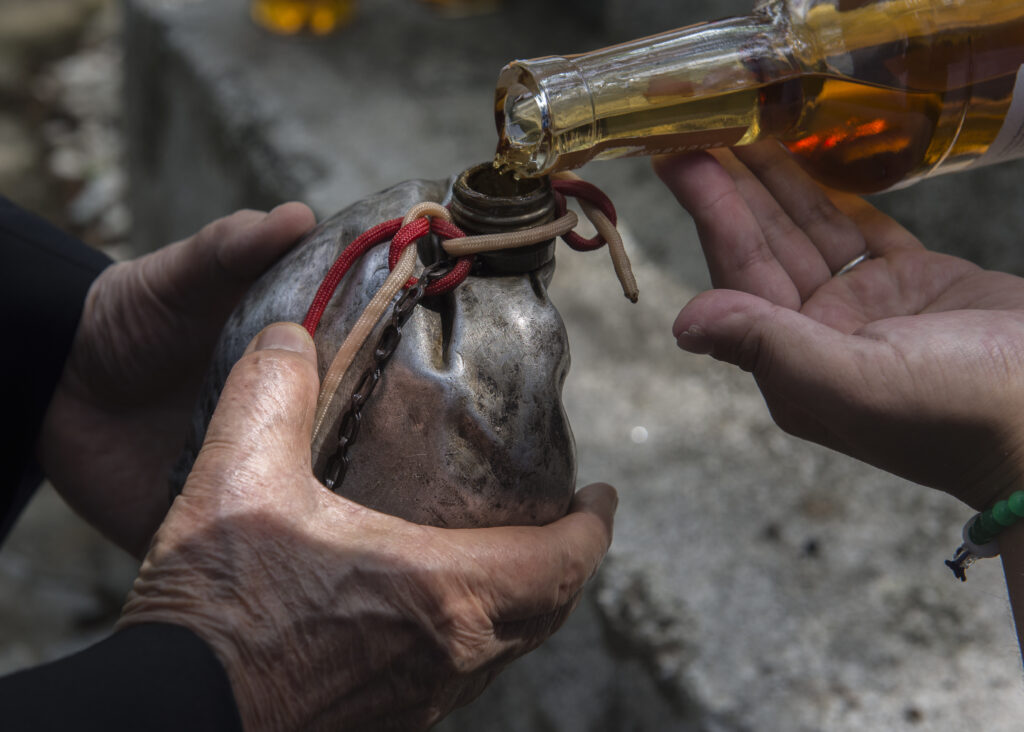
[(912, 361), (328, 615)]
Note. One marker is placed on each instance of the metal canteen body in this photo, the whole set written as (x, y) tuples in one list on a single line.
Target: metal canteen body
[(466, 427)]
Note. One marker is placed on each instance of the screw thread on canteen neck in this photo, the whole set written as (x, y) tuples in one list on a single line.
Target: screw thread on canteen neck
[(487, 201)]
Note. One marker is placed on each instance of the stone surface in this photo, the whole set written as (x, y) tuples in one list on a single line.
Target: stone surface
[(43, 28), (756, 582), (19, 151)]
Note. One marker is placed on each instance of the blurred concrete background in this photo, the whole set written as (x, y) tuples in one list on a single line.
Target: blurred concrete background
[(756, 582), (61, 584)]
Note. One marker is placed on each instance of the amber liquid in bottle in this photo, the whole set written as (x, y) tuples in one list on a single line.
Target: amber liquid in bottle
[(865, 138), (288, 17), (866, 98)]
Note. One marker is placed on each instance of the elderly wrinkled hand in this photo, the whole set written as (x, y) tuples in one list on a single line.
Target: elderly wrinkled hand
[(911, 360), (122, 406), (328, 615)]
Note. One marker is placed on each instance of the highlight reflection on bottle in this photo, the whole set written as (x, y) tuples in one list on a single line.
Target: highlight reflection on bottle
[(867, 93)]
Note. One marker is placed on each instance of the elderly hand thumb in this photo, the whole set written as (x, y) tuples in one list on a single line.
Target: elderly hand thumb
[(264, 416), (283, 337)]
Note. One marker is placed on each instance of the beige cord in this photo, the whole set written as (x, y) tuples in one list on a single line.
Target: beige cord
[(426, 208), (607, 230), (617, 250), (370, 316), (462, 247), (465, 246)]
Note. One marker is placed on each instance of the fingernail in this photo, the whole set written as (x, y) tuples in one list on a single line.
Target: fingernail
[(694, 340), (283, 337)]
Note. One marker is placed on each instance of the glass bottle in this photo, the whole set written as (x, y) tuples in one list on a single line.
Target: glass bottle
[(868, 94), (288, 17)]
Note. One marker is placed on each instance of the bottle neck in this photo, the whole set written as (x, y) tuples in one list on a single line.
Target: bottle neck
[(555, 113), (486, 201)]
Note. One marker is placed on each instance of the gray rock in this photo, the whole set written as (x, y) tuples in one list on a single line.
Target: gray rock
[(13, 73), (100, 194), (19, 151), (44, 28)]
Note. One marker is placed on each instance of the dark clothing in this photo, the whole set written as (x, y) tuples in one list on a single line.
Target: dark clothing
[(44, 276), (150, 677)]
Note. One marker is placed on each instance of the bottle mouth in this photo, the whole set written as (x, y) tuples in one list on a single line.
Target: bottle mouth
[(523, 122), (486, 200), (493, 183)]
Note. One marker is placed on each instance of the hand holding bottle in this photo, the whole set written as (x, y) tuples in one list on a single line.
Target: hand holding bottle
[(325, 614), (912, 361), (869, 93), (115, 422)]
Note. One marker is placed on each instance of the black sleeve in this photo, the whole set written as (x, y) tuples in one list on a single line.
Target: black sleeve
[(156, 678), (150, 677), (44, 276)]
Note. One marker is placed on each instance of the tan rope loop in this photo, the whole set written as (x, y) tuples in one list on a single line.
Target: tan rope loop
[(617, 250), (461, 247), (611, 235), (370, 316), (510, 240), (426, 209)]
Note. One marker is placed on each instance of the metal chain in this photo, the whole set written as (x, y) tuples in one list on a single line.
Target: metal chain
[(387, 344)]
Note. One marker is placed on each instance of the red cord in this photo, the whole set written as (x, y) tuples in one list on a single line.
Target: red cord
[(359, 246), (406, 236), (403, 236), (447, 230), (418, 229), (588, 192)]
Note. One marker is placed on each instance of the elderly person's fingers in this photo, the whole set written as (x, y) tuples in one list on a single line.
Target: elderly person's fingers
[(137, 362), (327, 614), (533, 571), (264, 417), (215, 266)]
